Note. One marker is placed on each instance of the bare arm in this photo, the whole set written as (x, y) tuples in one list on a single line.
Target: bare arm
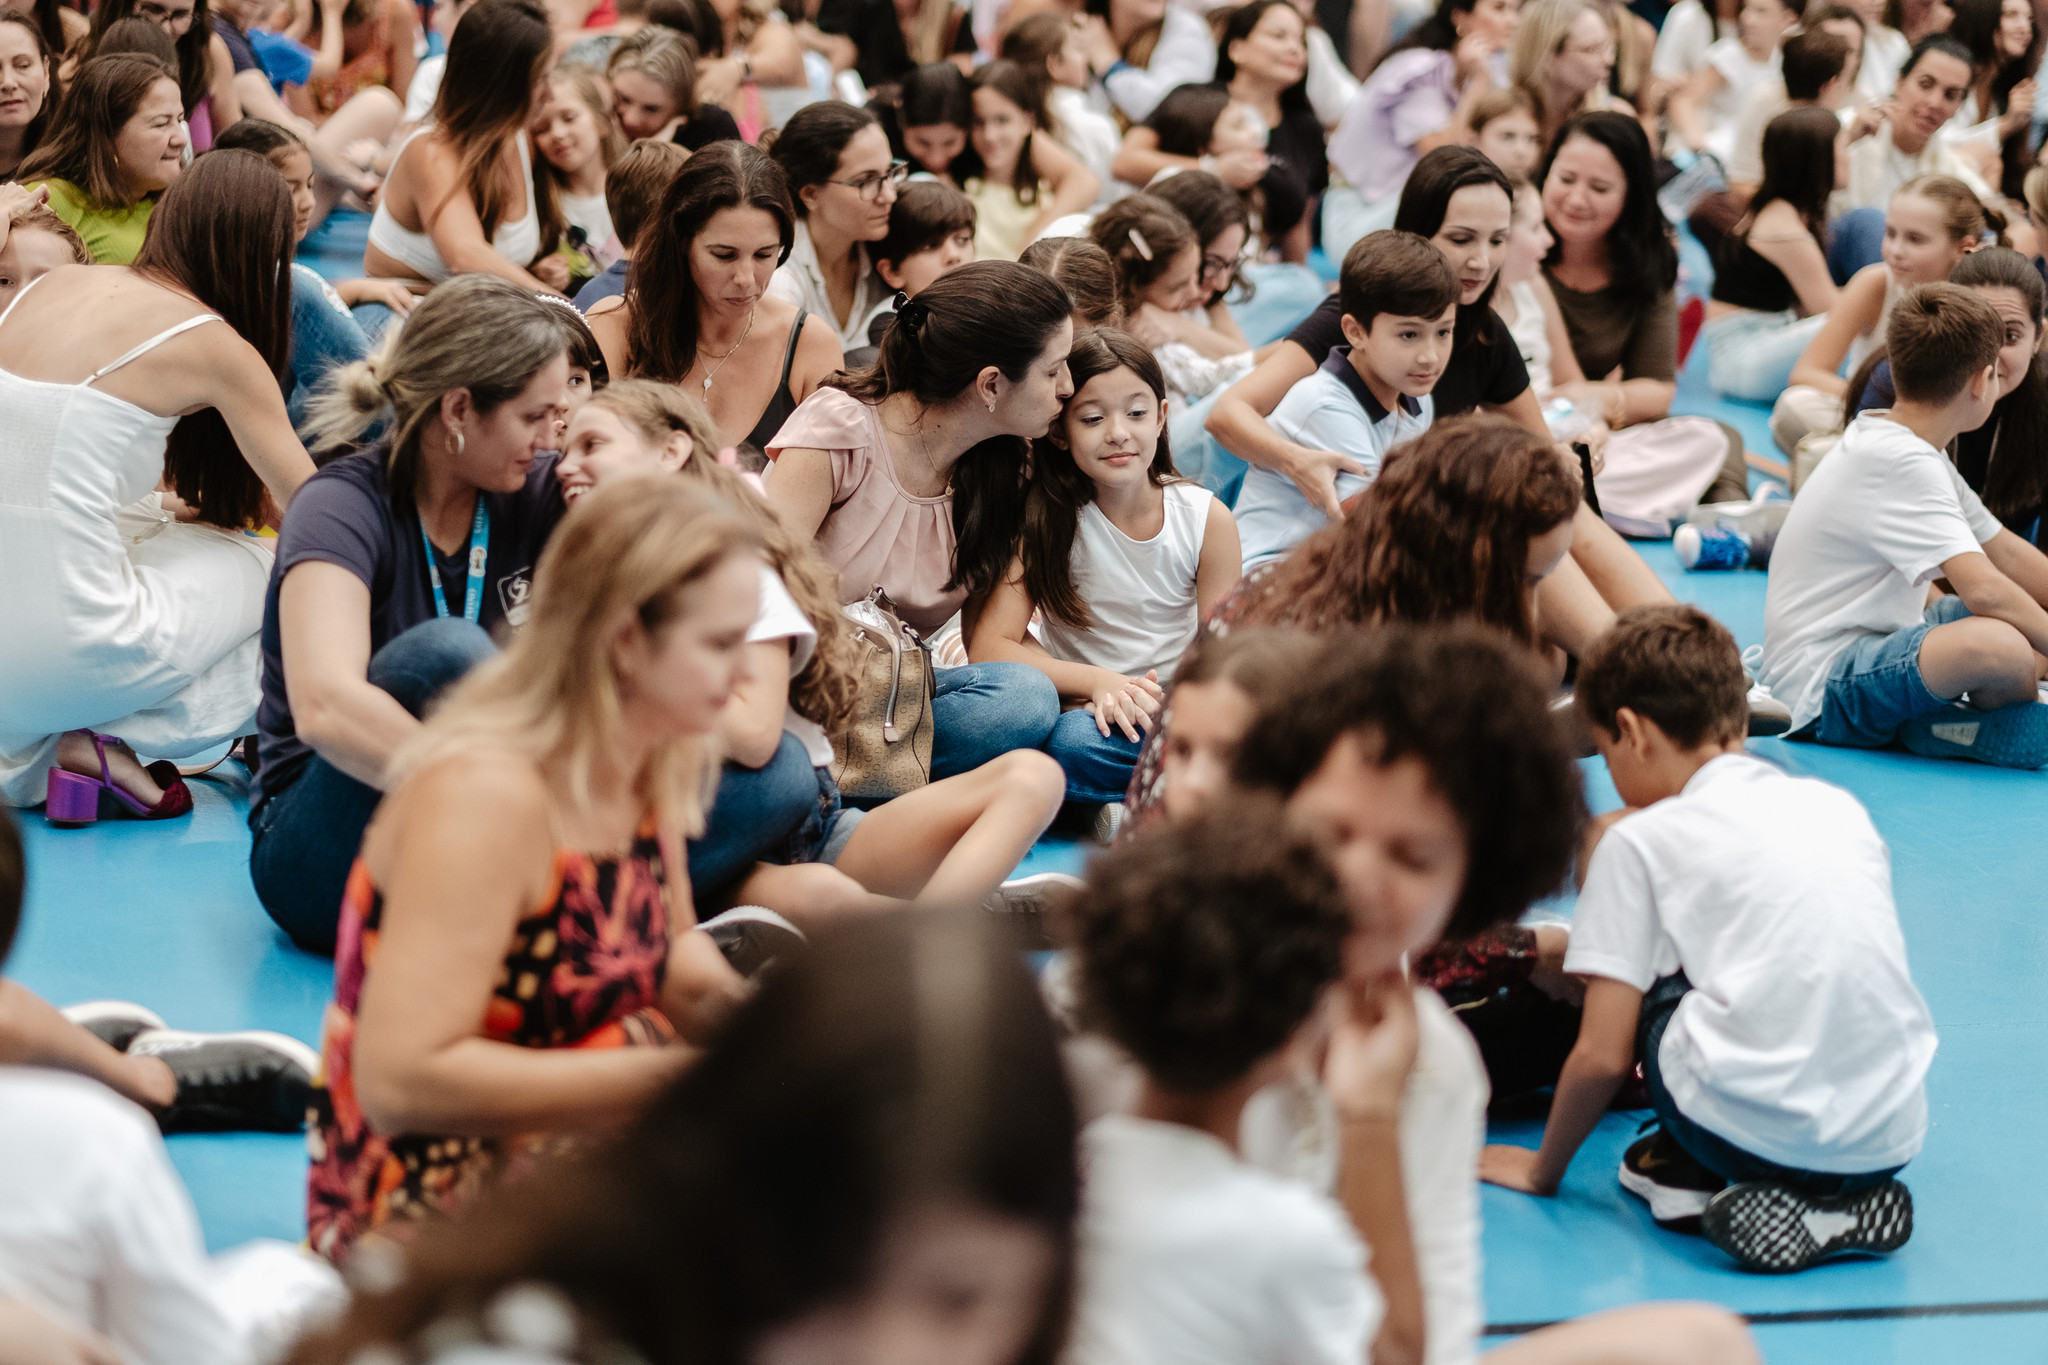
[(1988, 591), (1002, 634), (1222, 561), (2018, 560), (1600, 1061), (323, 619), (1238, 422), (1855, 313), (836, 48), (1783, 240), (449, 216), (818, 356), (610, 324), (222, 101), (1686, 102), (752, 720), (462, 851), (1371, 1054), (1564, 362), (402, 24), (799, 486), (1139, 159), (1073, 185)]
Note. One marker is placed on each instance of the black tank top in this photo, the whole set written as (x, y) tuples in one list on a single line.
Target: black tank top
[(1747, 280), (784, 402)]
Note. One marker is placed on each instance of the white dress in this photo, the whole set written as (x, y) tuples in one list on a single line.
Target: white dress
[(116, 618)]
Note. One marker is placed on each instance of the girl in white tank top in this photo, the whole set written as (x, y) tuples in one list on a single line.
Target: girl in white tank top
[(1121, 560)]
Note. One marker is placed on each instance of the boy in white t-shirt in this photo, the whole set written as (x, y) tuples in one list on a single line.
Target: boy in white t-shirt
[(1851, 643), (1203, 948), (1737, 934), (1400, 303)]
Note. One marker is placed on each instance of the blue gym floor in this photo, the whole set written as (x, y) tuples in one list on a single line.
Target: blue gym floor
[(164, 915)]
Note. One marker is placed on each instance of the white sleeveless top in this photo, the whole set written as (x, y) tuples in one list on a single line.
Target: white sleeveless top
[(1140, 592), (518, 241), (1531, 334)]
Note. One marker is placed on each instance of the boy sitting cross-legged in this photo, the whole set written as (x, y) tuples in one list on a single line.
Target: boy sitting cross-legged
[(1851, 644), (1400, 304), (1737, 934)]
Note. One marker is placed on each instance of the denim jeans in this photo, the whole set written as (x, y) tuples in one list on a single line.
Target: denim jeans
[(308, 832), (752, 818), (324, 338), (1711, 1150), (1855, 240), (1750, 355), (1098, 766), (982, 711), (1875, 686)]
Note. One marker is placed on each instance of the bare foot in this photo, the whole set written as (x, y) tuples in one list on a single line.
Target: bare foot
[(75, 754)]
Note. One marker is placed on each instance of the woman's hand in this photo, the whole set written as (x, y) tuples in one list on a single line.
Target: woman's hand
[(393, 294), (1473, 57), (1097, 44), (2019, 109), (1372, 1050), (1130, 704), (553, 271)]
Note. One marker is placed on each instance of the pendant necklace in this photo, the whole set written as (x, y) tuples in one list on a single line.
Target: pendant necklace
[(712, 373)]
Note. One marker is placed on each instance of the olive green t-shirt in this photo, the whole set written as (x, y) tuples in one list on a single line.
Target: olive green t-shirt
[(1607, 331), (113, 236)]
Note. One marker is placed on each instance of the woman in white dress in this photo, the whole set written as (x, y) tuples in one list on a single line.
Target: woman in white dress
[(119, 619)]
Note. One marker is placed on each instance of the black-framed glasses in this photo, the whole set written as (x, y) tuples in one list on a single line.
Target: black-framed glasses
[(1218, 265), (869, 186)]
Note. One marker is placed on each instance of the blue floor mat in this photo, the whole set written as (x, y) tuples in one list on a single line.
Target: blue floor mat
[(164, 914)]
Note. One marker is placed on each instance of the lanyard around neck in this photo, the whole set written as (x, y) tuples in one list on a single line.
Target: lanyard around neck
[(479, 553)]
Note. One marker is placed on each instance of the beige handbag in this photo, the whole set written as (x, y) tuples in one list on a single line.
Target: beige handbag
[(887, 750)]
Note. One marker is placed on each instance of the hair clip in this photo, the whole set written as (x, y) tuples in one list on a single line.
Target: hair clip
[(913, 314), (1138, 240)]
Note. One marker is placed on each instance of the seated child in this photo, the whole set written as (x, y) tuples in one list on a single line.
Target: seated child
[(33, 242), (1187, 1251), (1158, 258), (1851, 644), (1704, 110), (632, 188), (1400, 303), (1085, 271), (1120, 561), (578, 142), (931, 231), (1738, 937)]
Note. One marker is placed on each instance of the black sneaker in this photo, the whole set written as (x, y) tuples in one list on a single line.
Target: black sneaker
[(1774, 1228), (1032, 906), (753, 937), (232, 1082), (1662, 1174), (114, 1022)]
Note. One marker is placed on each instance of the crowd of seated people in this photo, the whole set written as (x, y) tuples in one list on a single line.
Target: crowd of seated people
[(658, 505)]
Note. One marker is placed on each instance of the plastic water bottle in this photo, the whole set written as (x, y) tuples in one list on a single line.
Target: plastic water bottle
[(1706, 548)]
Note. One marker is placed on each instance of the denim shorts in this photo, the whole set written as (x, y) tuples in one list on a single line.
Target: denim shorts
[(823, 835), (1875, 685)]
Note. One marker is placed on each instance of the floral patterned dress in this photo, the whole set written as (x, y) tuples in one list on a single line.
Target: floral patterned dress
[(584, 969)]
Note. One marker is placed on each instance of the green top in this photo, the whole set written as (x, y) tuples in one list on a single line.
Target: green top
[(113, 236)]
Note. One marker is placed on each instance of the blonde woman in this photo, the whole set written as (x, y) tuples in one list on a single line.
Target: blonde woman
[(1564, 54), (653, 76), (514, 952)]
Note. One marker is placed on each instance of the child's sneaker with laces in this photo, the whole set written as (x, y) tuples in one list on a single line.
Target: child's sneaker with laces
[(253, 1081), (1775, 1229), (1662, 1174), (2013, 736)]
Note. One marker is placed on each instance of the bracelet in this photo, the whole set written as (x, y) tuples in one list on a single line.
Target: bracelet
[(746, 69)]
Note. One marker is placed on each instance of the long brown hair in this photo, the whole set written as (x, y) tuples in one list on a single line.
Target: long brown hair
[(223, 233), (1443, 534), (103, 95), (904, 1061), (1059, 490), (495, 59), (661, 335)]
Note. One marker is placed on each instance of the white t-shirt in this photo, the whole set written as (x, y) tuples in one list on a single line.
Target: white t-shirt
[(426, 84), (589, 212), (95, 1227), (1330, 410), (1189, 1255), (1803, 1039), (1088, 133), (1683, 41), (1884, 51), (1141, 593), (1877, 167), (1290, 1128), (1745, 75), (780, 618), (1869, 531)]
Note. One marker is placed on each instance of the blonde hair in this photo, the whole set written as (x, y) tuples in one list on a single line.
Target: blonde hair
[(29, 216), (825, 691), (1539, 37), (630, 551), (589, 88), (1963, 214), (475, 332), (665, 57)]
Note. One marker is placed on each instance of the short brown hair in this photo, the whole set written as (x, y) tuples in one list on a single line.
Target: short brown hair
[(1398, 273), (1811, 58), (1939, 335), (1672, 664), (636, 181), (924, 215)]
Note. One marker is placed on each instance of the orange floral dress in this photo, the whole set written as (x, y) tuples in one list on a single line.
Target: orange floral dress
[(583, 970)]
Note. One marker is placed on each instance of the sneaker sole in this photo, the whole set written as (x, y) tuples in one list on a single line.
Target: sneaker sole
[(1672, 1208), (2010, 737), (1775, 1229), (91, 1012), (291, 1047)]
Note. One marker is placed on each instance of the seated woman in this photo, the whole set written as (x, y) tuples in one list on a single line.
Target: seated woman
[(461, 196), (778, 835), (1421, 96), (514, 956), (1563, 56), (653, 76), (2005, 46), (1772, 290), (374, 609), (843, 182), (911, 475), (107, 165), (1140, 49), (205, 75), (887, 1026), (361, 100), (28, 88), (126, 627), (1931, 223), (699, 313)]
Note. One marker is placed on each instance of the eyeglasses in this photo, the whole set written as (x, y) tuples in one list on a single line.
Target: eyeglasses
[(163, 14), (1218, 265), (869, 186)]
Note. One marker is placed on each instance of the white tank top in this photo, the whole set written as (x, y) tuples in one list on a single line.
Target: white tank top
[(518, 240), (1140, 592)]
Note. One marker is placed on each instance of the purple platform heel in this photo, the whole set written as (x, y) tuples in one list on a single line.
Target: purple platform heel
[(76, 799)]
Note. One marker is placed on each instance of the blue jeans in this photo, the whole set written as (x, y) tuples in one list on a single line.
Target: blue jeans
[(983, 711), (1750, 355), (752, 818), (1875, 686), (308, 832), (324, 338), (1711, 1150), (1098, 766), (1855, 240)]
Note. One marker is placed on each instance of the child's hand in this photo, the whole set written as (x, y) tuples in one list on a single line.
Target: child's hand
[(1511, 1168), (553, 272), (1129, 704), (1372, 1048)]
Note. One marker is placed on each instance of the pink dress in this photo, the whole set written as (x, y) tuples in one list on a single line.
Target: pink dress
[(876, 534)]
